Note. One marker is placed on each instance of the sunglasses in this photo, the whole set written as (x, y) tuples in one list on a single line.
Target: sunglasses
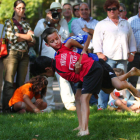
[(113, 9), (76, 9), (121, 11)]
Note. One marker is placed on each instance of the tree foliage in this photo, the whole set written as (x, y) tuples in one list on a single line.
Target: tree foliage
[(35, 9)]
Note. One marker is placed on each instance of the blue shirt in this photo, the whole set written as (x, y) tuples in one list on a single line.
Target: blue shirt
[(135, 24), (78, 24)]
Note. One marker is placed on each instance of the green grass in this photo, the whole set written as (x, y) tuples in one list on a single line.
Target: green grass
[(58, 125)]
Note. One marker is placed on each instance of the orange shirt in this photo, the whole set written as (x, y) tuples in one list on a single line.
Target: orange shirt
[(18, 94)]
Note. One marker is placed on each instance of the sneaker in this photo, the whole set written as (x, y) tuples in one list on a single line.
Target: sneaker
[(48, 110), (100, 108)]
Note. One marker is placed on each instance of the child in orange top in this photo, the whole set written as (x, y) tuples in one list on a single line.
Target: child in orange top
[(21, 99)]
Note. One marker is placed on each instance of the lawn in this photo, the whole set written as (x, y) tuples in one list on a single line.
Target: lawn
[(58, 125)]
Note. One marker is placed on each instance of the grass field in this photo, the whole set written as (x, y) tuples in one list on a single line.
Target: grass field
[(58, 125)]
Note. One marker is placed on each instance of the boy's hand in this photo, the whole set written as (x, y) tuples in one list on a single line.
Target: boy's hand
[(83, 51), (77, 67), (36, 110)]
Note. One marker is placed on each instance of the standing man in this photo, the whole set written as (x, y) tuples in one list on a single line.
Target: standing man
[(84, 25), (68, 15), (135, 24), (122, 11), (53, 19), (113, 42)]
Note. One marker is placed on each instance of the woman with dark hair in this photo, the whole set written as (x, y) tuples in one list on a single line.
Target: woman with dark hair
[(19, 34), (21, 100), (114, 42)]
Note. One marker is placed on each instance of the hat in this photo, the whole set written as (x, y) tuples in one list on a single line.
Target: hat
[(54, 5)]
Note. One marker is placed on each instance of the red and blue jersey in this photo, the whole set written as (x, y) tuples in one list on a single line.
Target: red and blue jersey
[(65, 64)]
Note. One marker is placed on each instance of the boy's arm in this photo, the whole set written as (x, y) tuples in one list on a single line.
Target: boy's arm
[(86, 44), (27, 100)]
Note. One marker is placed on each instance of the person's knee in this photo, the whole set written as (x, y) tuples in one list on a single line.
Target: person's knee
[(44, 105), (121, 85), (19, 105), (118, 103)]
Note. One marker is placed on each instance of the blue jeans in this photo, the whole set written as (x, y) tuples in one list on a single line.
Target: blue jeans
[(103, 97), (93, 100), (135, 63)]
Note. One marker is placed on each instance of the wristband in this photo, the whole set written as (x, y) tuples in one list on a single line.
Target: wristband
[(125, 99), (132, 54)]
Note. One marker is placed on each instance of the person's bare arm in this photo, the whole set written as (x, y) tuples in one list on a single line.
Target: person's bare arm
[(70, 43), (25, 37), (102, 56), (27, 100), (86, 44), (88, 30)]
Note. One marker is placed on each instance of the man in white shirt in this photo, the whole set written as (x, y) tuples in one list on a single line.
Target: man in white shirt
[(114, 42), (60, 24)]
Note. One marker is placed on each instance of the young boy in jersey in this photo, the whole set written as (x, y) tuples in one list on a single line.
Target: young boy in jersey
[(21, 99), (94, 75), (118, 99)]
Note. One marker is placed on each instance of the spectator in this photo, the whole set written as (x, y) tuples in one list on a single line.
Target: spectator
[(76, 10), (118, 99), (68, 15), (17, 60), (21, 99), (61, 25), (113, 42), (135, 24), (1, 69), (85, 24), (122, 11)]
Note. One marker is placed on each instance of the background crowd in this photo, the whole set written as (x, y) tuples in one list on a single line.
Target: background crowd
[(115, 39)]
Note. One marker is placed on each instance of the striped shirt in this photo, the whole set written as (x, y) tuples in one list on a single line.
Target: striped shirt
[(10, 33), (135, 24), (78, 24)]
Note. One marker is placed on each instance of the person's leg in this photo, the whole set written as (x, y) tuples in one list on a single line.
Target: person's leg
[(102, 96), (93, 100), (78, 108), (102, 99), (1, 80), (49, 98), (66, 93), (121, 105), (85, 111), (22, 68), (135, 63), (133, 72), (10, 67), (119, 85)]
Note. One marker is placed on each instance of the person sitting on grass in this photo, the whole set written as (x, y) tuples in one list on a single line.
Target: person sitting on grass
[(21, 99), (118, 99), (94, 75)]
